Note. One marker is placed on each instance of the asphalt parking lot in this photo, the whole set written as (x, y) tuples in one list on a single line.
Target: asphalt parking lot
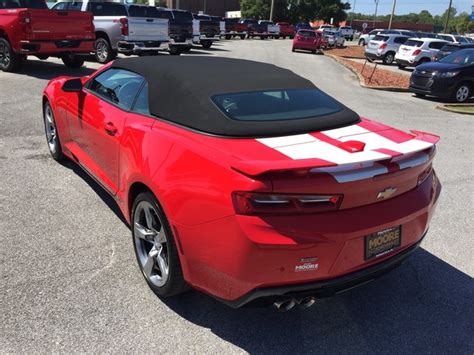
[(69, 279)]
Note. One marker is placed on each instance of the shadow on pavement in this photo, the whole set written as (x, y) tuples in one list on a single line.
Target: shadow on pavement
[(423, 306), (49, 70)]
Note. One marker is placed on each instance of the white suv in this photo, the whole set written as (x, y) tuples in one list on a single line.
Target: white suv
[(365, 38), (384, 47), (418, 51)]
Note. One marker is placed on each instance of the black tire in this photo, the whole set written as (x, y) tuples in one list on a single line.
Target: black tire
[(462, 93), (72, 61), (54, 143), (104, 52), (228, 37), (175, 283), (242, 36), (9, 60), (206, 44), (277, 37), (175, 50), (291, 37), (293, 49), (401, 66), (351, 38), (389, 58), (314, 51), (423, 61), (361, 42), (283, 37), (419, 95)]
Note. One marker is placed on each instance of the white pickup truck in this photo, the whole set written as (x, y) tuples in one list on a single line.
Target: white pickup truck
[(272, 29), (347, 32), (124, 28)]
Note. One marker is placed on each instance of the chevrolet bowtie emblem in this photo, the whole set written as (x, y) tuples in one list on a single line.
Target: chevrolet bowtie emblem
[(388, 192)]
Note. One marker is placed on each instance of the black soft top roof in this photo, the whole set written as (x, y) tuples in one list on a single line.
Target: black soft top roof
[(180, 91)]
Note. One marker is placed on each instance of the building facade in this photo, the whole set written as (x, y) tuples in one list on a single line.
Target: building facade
[(210, 7)]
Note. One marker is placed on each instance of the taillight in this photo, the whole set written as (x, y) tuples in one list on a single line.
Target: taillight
[(253, 203), (124, 26), (418, 51), (383, 45), (25, 21)]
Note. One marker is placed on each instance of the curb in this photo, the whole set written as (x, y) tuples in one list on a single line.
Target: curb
[(362, 80), (447, 108)]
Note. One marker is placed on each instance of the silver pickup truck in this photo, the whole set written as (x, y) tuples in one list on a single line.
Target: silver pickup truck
[(124, 28)]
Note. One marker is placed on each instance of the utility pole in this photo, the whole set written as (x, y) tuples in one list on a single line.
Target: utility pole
[(353, 12), (447, 17), (391, 16), (376, 8), (271, 10), (205, 3)]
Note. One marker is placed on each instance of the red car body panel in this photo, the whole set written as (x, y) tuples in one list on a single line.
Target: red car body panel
[(309, 43), (47, 32), (193, 175), (286, 29)]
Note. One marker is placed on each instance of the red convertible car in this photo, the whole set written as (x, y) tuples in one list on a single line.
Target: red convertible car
[(252, 185)]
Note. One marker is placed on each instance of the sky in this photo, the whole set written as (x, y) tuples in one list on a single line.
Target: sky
[(436, 7)]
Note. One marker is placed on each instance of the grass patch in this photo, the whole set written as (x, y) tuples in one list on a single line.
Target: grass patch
[(466, 109)]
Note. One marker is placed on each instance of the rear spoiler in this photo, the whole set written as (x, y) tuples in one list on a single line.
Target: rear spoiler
[(254, 168)]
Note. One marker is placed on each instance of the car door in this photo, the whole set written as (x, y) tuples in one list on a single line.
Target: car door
[(97, 128)]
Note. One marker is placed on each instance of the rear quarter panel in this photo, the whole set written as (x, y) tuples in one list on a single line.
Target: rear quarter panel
[(10, 27)]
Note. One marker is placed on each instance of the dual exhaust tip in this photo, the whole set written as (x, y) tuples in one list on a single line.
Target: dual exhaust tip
[(290, 303)]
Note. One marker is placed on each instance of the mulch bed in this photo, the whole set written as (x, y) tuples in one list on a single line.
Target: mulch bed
[(348, 52)]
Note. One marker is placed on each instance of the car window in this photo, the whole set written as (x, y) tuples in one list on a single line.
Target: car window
[(463, 57), (276, 105), (183, 15), (380, 38), (391, 32), (57, 6), (141, 103), (164, 14), (461, 39), (436, 45), (74, 6), (446, 38), (307, 33), (413, 43), (144, 11), (107, 9), (22, 4), (400, 40), (117, 86)]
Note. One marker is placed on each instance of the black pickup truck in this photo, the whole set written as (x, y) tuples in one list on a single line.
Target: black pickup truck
[(254, 29), (181, 29), (206, 30)]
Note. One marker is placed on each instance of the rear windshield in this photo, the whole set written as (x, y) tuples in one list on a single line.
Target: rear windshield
[(216, 18), (307, 33), (22, 4), (413, 43), (164, 14), (463, 57), (107, 9), (144, 11), (381, 38), (276, 105), (183, 15)]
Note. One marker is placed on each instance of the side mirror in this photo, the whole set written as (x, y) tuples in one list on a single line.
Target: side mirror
[(72, 85)]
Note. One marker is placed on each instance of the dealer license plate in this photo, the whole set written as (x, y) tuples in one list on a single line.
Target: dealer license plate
[(382, 242)]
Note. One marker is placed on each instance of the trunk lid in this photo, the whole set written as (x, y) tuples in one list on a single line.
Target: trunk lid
[(56, 25), (147, 29)]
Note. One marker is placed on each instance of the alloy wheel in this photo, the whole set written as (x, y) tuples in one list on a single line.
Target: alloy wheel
[(151, 244), (5, 57), (462, 94), (102, 51), (50, 128)]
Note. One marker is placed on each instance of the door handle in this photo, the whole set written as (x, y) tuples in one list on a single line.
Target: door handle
[(110, 129)]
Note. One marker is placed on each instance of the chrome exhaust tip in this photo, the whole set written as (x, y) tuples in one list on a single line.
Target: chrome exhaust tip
[(307, 302), (285, 305)]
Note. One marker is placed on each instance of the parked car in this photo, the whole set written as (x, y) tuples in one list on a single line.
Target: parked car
[(29, 28), (334, 38), (452, 38), (347, 32), (384, 47), (206, 31), (309, 40), (287, 30), (272, 29), (125, 28), (303, 26), (365, 38), (233, 28), (451, 77), (326, 27), (180, 29), (451, 48), (418, 51), (313, 197), (221, 24), (254, 29)]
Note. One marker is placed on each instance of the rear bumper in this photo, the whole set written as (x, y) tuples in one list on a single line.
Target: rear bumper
[(249, 257), (137, 47), (57, 47), (373, 56), (188, 42)]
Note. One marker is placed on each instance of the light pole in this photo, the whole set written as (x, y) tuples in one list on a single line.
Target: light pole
[(353, 12), (271, 10), (375, 15), (446, 23), (393, 12)]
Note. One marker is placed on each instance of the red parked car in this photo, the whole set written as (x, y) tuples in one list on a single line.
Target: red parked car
[(254, 185), (286, 30), (29, 28), (309, 40)]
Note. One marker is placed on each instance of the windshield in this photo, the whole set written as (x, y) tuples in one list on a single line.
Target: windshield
[(463, 57), (183, 15), (276, 105), (307, 33), (18, 4)]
